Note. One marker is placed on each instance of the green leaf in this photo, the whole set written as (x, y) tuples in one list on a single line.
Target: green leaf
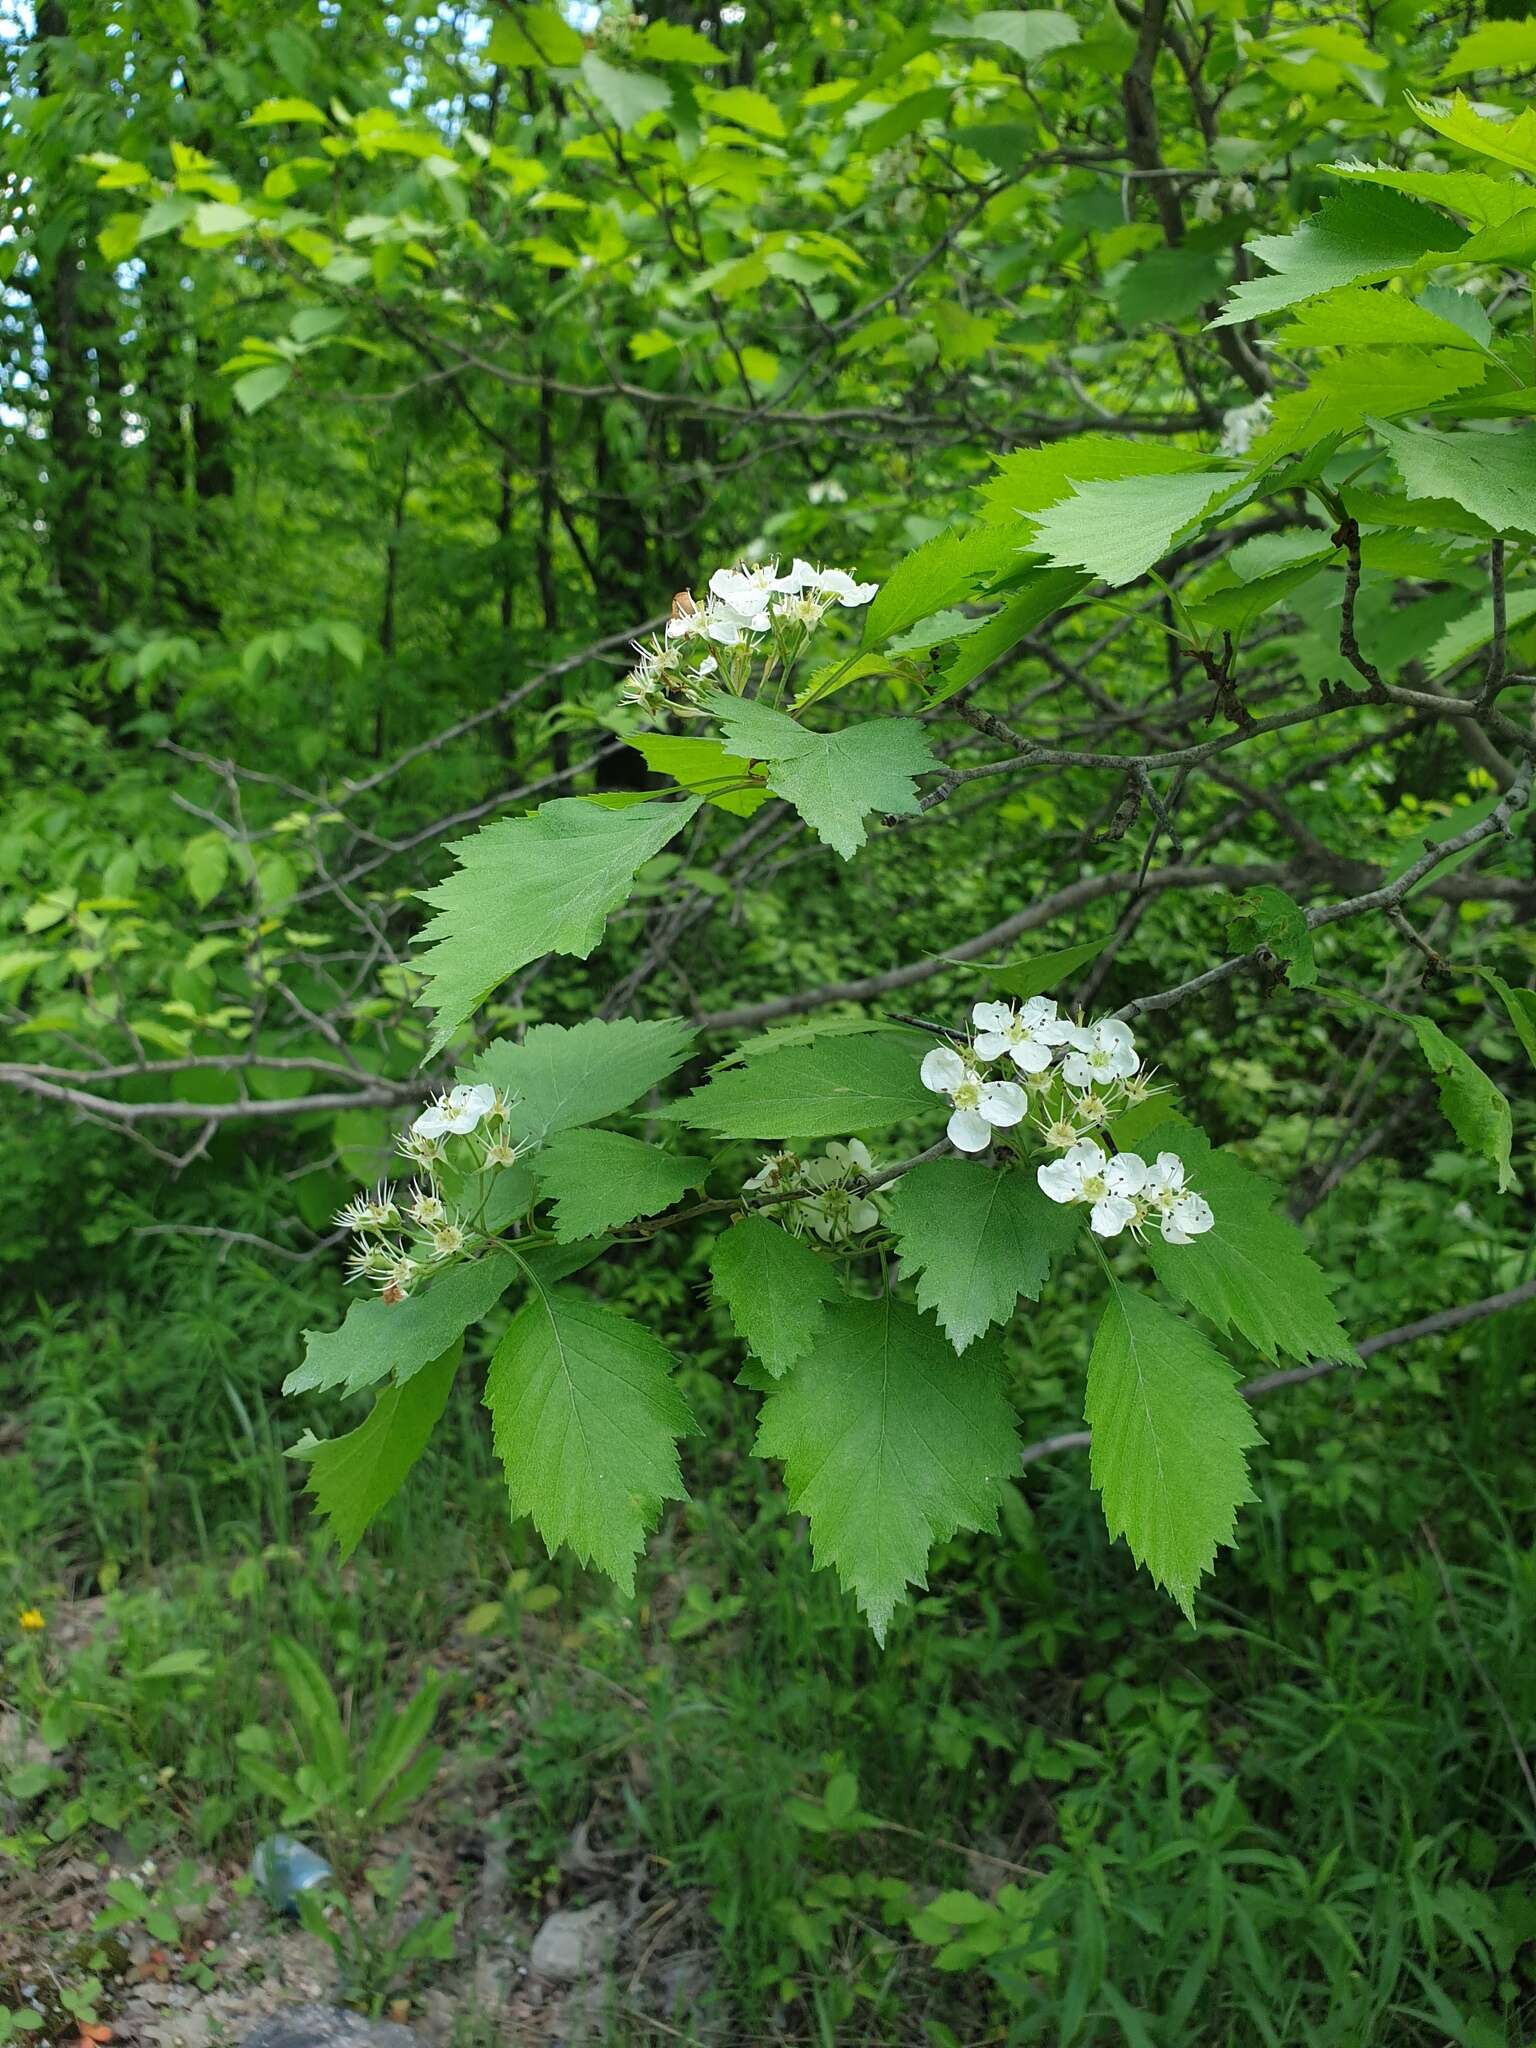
[(353, 1476), (1495, 46), (534, 36), (544, 883), (1521, 1005), (1168, 286), (1029, 479), (1503, 141), (748, 109), (1026, 977), (1117, 530), (1030, 32), (1492, 475), (831, 1088), (299, 112), (119, 236), (940, 573), (701, 766), (1476, 1110), (890, 1445), (1486, 200), (1358, 317), (205, 861), (1252, 1273), (584, 1416), (1465, 635), (1362, 232), (258, 387), (979, 1238), (379, 1338), (667, 42), (218, 217), (1352, 388), (1266, 916), (598, 1179), (934, 630), (1234, 609), (833, 779), (1044, 592), (1170, 1437), (773, 1287), (562, 1076), (626, 96)]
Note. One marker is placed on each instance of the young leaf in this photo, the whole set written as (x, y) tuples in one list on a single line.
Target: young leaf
[(1490, 475), (831, 1088), (1353, 386), (979, 1238), (833, 779), (400, 1337), (1170, 1433), (584, 1417), (1031, 478), (1361, 232), (1022, 979), (599, 1179), (774, 1289), (1266, 916), (1521, 1005), (942, 572), (1476, 1110), (544, 883), (562, 1076), (1044, 591), (890, 1444), (1504, 142), (1252, 1272), (353, 1476), (702, 767), (1116, 531)]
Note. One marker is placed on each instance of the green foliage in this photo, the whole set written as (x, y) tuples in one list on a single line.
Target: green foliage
[(1170, 1433), (1267, 917), (1116, 530), (1361, 232), (978, 1239), (584, 1415), (833, 779), (890, 1444), (598, 1179), (1476, 1109), (526, 886), (820, 1090), (773, 1287), (379, 1339), (562, 1076), (353, 1476)]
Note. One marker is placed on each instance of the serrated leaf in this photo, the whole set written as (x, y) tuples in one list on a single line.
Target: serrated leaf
[(1475, 1108), (562, 1076), (831, 1088), (626, 96), (544, 883), (702, 767), (353, 1476), (1170, 1433), (1266, 916), (1488, 201), (585, 1417), (1365, 231), (600, 1179), (935, 629), (773, 1287), (379, 1338), (1024, 978), (1234, 609), (1030, 32), (1044, 592), (976, 1239), (1465, 635), (1492, 475), (1252, 1273), (1521, 1005), (941, 572), (833, 779), (1168, 285), (890, 1444), (1029, 479), (1349, 389), (1118, 530), (1357, 317), (1510, 142)]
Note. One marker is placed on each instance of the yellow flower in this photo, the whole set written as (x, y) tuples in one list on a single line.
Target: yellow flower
[(32, 1618)]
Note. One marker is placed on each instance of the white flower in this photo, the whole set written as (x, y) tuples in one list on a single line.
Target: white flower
[(1239, 196), (834, 1212), (1101, 1053), (980, 1106), (1086, 1175), (1028, 1036), (825, 491), (455, 1113), (747, 588), (1184, 1214), (425, 1206), (779, 1170), (1207, 200), (501, 1151), (832, 583), (1242, 425), (448, 1240), (375, 1211)]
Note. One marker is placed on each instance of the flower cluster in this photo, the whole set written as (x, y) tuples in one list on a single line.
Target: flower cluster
[(406, 1235), (1242, 425), (749, 611), (829, 1195), (1077, 1077)]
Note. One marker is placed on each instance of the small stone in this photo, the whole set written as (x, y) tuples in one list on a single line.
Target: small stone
[(327, 2026), (570, 1946)]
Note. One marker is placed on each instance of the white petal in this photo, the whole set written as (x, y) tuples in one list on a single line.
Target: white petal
[(969, 1132), (1077, 1035), (863, 1216), (991, 1016), (1059, 1181), (1113, 1031), (859, 1153), (1030, 1056), (1038, 1012), (942, 1070), (1191, 1215), (1003, 1103), (432, 1123), (990, 1045), (1171, 1167), (1077, 1071), (1126, 1175), (1110, 1214), (1085, 1158)]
